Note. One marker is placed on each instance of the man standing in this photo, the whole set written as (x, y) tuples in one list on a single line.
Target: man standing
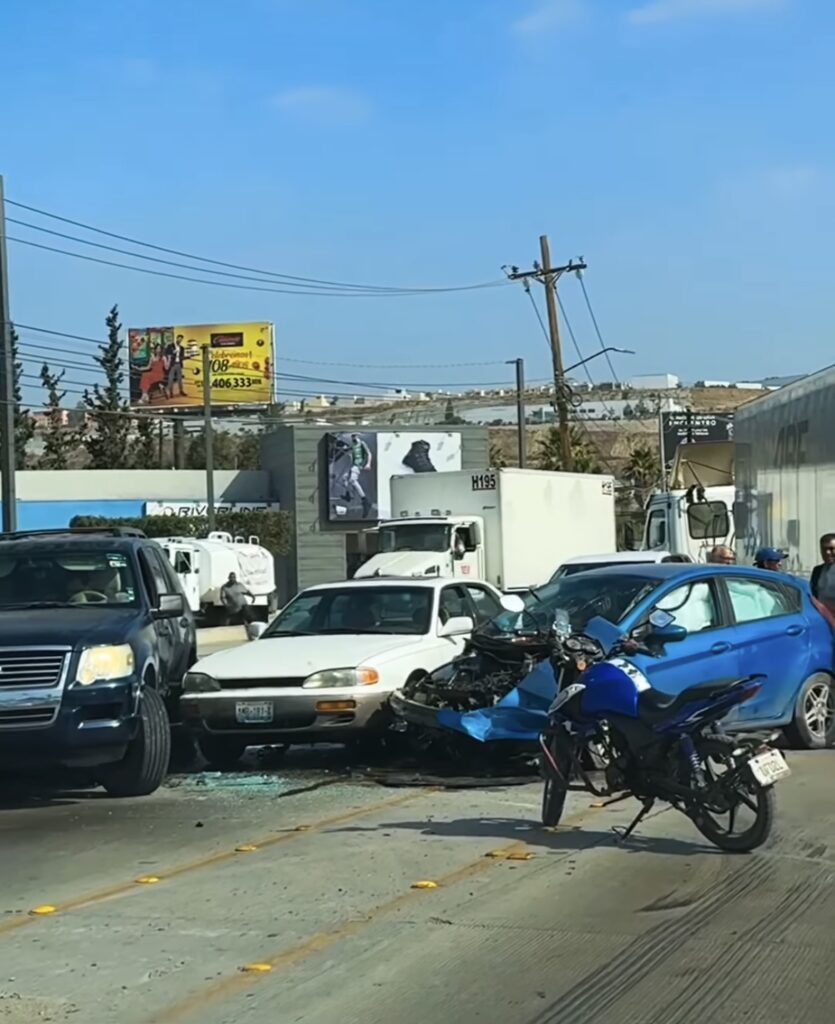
[(769, 558), (722, 555), (822, 579), (234, 597)]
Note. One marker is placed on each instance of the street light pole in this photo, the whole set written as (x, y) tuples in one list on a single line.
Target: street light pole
[(7, 411), (520, 411), (207, 428)]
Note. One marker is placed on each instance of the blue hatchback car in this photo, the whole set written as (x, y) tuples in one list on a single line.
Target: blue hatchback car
[(739, 622)]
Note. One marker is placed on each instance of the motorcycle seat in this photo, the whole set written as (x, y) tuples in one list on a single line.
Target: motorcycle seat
[(653, 704)]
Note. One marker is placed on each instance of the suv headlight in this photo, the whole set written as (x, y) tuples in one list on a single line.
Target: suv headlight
[(199, 682), (342, 677), (99, 664)]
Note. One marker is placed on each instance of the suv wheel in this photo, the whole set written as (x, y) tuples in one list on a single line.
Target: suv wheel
[(143, 767), (222, 751)]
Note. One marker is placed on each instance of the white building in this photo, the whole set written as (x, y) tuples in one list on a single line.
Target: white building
[(654, 382)]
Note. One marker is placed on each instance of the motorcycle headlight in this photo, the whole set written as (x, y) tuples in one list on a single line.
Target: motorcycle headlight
[(342, 677), (99, 664), (199, 682)]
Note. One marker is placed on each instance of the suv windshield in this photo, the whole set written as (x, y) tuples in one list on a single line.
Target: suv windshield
[(415, 537), (76, 578), (583, 596), (356, 610)]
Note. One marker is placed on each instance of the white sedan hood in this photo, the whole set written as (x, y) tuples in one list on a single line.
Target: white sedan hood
[(302, 655)]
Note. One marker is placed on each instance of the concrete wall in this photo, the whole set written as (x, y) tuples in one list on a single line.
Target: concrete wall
[(296, 458), (50, 498)]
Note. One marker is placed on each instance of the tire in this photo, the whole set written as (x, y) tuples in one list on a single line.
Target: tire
[(144, 766), (554, 792), (813, 724), (717, 750), (222, 752)]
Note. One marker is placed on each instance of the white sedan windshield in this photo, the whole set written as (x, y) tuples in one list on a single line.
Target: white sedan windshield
[(377, 609)]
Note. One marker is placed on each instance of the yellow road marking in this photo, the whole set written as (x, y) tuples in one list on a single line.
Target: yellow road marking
[(208, 861), (231, 984)]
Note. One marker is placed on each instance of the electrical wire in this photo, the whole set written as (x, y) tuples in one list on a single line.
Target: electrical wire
[(309, 281), (615, 377)]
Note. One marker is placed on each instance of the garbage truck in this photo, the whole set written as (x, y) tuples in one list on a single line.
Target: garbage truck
[(511, 527)]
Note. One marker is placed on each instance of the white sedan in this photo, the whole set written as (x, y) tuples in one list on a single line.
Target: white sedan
[(323, 670)]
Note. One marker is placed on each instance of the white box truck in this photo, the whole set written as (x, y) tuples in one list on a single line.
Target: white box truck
[(511, 527), (785, 471)]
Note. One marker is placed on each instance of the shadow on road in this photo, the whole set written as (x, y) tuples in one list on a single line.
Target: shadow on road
[(535, 835)]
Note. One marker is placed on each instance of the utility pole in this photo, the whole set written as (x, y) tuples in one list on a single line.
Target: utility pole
[(207, 428), (520, 410), (161, 443), (549, 275), (7, 415)]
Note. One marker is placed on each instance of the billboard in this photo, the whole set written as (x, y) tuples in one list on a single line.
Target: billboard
[(362, 463), (683, 427), (166, 365)]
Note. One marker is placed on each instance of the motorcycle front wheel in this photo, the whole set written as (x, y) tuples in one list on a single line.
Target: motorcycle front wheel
[(554, 791), (738, 817)]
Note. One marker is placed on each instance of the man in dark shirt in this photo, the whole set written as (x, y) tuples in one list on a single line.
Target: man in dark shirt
[(234, 597), (822, 579)]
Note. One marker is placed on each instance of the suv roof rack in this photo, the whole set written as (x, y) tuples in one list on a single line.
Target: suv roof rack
[(89, 531)]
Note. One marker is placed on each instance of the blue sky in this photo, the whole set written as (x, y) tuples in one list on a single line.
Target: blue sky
[(682, 146)]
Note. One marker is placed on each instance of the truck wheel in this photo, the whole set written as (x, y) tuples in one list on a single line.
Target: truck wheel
[(222, 751), (142, 769), (813, 725)]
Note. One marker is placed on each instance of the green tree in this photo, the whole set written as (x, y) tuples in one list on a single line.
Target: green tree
[(144, 445), (642, 471), (59, 440), (24, 424), (224, 450), (106, 437), (548, 454), (450, 416)]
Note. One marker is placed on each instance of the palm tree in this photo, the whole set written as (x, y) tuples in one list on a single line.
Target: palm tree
[(642, 471), (584, 455)]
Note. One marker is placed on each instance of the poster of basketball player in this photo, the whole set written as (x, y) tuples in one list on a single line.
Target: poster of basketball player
[(352, 477)]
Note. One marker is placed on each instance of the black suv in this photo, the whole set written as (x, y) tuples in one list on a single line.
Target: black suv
[(95, 636)]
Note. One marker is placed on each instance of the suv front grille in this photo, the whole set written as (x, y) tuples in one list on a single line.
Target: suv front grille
[(31, 667)]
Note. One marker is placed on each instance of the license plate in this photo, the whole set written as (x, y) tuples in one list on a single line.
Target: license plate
[(253, 712), (769, 767)]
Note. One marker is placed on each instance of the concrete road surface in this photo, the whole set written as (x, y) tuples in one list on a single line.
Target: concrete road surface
[(273, 899)]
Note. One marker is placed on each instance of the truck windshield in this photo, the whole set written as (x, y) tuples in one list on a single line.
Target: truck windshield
[(366, 609), (415, 537), (76, 578)]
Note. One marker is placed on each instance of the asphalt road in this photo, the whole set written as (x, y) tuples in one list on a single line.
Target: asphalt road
[(288, 896)]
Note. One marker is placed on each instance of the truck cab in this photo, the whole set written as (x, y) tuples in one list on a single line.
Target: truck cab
[(696, 513), (429, 546)]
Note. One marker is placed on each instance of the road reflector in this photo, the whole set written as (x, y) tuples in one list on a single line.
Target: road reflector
[(246, 848), (257, 968), (521, 855), (302, 828), (597, 803), (426, 884), (496, 854), (146, 880), (45, 908)]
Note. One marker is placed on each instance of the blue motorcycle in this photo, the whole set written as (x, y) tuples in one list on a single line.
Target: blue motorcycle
[(657, 746)]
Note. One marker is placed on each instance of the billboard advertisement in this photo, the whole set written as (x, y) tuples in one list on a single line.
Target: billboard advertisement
[(683, 427), (166, 365), (362, 463)]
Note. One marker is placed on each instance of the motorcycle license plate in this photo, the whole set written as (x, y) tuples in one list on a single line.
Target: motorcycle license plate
[(253, 712), (769, 767)]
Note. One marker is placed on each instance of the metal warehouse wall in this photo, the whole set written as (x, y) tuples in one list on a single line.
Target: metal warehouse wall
[(296, 459)]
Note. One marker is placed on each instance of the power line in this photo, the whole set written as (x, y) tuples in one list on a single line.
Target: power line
[(597, 329), (253, 270)]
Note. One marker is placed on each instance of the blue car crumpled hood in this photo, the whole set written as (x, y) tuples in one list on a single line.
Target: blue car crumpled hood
[(522, 714)]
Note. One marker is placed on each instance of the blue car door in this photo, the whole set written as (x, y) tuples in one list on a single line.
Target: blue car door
[(708, 652), (774, 638)]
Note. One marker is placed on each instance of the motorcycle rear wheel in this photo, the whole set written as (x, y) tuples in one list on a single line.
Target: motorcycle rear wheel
[(716, 753)]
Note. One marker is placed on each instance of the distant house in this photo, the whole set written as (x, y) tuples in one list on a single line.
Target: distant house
[(654, 382)]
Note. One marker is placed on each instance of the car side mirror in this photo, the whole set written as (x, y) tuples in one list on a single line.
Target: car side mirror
[(170, 606), (254, 630), (663, 629), (512, 603), (457, 626)]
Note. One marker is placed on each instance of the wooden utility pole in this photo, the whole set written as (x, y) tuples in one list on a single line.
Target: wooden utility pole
[(209, 437), (560, 394), (7, 412), (549, 275)]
